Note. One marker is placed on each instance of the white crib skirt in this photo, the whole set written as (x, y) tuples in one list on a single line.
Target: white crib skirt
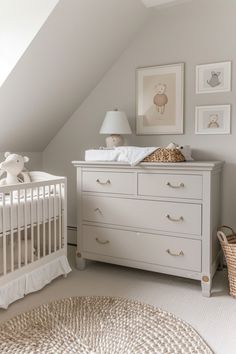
[(33, 281)]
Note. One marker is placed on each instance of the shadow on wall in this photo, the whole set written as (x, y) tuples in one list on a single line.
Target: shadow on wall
[(228, 198)]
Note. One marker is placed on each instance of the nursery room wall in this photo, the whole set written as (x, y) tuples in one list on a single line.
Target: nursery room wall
[(194, 32)]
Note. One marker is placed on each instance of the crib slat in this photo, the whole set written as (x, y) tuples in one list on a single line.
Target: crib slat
[(38, 231), (49, 221), (25, 226), (60, 216), (44, 222), (55, 218), (12, 234), (4, 235), (32, 223), (18, 229)]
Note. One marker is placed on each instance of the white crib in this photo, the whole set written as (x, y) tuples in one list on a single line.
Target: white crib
[(33, 235)]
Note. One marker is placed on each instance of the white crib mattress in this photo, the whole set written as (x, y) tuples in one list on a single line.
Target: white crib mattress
[(28, 211)]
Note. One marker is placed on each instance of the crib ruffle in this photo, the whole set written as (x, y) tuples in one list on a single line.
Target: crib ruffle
[(33, 281)]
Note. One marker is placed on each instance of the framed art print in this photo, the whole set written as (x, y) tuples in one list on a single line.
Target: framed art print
[(159, 99), (213, 119), (211, 78)]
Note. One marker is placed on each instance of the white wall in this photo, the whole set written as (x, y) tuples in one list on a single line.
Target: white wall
[(195, 32), (70, 54), (19, 23)]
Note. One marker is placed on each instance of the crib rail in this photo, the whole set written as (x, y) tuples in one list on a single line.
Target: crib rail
[(32, 222)]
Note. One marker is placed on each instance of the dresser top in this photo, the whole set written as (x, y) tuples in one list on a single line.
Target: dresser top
[(194, 165)]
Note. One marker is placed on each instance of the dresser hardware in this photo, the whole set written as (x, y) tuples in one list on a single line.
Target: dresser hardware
[(175, 220), (102, 242), (99, 210), (181, 253), (181, 185), (103, 183), (205, 278)]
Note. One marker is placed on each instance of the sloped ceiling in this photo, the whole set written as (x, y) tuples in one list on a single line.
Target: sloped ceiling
[(76, 46), (20, 21)]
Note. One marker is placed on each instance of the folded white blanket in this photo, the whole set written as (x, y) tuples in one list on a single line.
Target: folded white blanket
[(130, 154), (133, 154), (101, 155)]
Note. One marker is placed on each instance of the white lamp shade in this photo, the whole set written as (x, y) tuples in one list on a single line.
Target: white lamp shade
[(115, 122)]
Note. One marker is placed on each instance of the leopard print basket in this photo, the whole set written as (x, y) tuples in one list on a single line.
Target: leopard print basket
[(165, 155)]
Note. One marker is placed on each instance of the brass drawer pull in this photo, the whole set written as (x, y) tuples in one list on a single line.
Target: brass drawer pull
[(98, 210), (175, 220), (181, 185), (102, 242), (181, 253), (103, 183)]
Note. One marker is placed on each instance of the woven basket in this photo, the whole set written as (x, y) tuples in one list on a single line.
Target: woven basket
[(227, 238), (165, 155)]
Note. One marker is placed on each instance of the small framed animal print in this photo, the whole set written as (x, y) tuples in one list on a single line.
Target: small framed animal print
[(159, 99), (211, 78), (212, 119)]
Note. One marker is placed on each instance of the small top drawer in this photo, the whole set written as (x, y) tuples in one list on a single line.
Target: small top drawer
[(109, 182), (170, 185)]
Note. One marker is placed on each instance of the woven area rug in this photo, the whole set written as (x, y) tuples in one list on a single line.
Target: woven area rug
[(103, 325)]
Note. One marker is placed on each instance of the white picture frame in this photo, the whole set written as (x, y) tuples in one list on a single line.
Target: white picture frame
[(160, 99), (213, 119), (214, 77)]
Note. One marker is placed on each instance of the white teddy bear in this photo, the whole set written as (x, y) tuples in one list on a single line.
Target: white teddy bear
[(13, 166)]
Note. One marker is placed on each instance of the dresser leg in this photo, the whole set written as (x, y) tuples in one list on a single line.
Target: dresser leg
[(80, 262), (206, 286)]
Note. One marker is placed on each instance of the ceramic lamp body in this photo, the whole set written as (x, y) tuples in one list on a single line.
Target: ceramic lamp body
[(115, 123), (114, 140)]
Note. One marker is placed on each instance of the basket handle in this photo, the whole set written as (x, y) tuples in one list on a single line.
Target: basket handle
[(221, 236), (225, 227)]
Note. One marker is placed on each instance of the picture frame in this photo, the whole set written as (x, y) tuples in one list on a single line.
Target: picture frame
[(213, 119), (214, 77), (160, 99)]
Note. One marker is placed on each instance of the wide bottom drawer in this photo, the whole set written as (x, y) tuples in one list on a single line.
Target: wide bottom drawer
[(149, 248)]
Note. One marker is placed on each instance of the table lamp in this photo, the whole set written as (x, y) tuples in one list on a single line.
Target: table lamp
[(115, 123)]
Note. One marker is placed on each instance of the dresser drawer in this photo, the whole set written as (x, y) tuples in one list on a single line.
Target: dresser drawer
[(170, 185), (109, 182), (149, 248), (165, 216)]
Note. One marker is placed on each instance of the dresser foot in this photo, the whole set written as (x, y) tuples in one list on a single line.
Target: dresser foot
[(206, 286), (81, 262)]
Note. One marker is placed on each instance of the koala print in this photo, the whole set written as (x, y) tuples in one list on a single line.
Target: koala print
[(160, 99), (214, 80), (213, 123)]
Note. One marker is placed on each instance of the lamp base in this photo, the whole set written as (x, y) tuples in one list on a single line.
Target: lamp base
[(114, 140)]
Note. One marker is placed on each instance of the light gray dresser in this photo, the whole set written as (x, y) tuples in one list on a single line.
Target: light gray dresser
[(160, 217)]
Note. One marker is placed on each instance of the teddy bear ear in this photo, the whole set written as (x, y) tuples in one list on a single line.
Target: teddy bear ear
[(7, 154), (26, 159)]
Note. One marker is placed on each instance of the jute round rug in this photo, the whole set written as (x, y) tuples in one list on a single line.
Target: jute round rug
[(101, 325)]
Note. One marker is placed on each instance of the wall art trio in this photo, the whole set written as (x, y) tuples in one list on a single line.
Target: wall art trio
[(160, 99)]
